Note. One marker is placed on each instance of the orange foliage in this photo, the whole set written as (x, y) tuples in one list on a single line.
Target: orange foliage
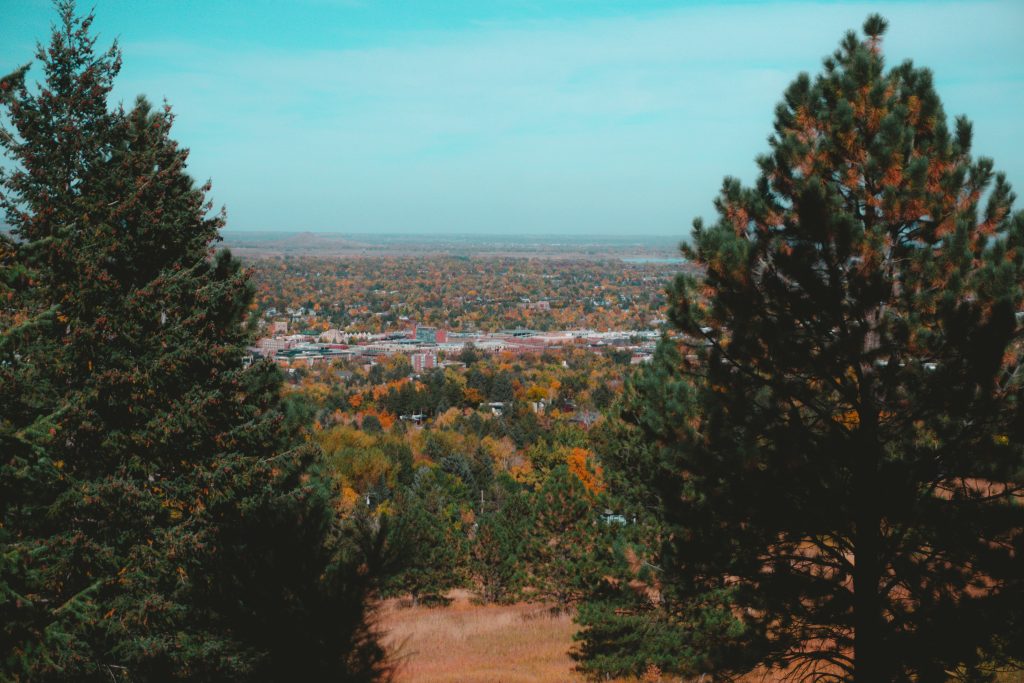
[(581, 463), (850, 419), (385, 418)]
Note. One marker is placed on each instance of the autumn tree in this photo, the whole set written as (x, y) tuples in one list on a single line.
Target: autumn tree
[(840, 474), (155, 520)]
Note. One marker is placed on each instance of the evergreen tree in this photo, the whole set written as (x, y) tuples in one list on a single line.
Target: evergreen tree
[(427, 540), (563, 539), (469, 354), (154, 522), (499, 550), (633, 622), (841, 489), (501, 389)]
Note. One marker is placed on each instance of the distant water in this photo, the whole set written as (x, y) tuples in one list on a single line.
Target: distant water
[(652, 259)]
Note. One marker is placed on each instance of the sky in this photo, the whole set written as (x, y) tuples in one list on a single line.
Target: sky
[(605, 117)]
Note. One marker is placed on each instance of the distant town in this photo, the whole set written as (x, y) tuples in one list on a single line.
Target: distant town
[(428, 347)]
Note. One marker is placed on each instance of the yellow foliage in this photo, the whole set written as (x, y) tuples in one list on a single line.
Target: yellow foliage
[(536, 393), (317, 391), (447, 418), (523, 472), (502, 452), (343, 436)]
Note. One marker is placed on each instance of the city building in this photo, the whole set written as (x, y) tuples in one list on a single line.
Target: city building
[(425, 333), (422, 361)]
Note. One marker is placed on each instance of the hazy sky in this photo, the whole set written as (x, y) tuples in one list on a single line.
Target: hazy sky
[(510, 116)]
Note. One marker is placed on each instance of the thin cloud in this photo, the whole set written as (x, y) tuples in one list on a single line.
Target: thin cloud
[(556, 125)]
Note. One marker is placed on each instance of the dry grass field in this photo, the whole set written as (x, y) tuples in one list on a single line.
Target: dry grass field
[(469, 643)]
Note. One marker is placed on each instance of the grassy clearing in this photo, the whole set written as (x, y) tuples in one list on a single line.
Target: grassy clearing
[(468, 643), (478, 643)]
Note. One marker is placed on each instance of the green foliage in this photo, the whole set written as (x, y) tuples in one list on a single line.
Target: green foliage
[(630, 619), (427, 540), (501, 388), (499, 549), (303, 610), (563, 539), (153, 522), (478, 479), (469, 354), (835, 445)]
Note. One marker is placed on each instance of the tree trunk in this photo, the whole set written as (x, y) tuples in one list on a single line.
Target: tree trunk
[(867, 612), (867, 647)]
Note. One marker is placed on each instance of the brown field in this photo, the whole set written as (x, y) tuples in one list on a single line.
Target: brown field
[(478, 643), (469, 643)]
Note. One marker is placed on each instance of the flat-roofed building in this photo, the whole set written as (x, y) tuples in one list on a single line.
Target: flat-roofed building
[(425, 333), (422, 361)]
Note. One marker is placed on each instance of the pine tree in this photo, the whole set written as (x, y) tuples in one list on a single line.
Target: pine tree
[(842, 494), (500, 544), (562, 542), (631, 622), (427, 540), (156, 523)]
